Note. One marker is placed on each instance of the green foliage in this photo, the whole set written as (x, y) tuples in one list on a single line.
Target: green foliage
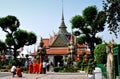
[(9, 22), (56, 69), (91, 65), (69, 69), (0, 64), (77, 22), (29, 38), (79, 63), (90, 10), (23, 68), (2, 45), (88, 25), (98, 40), (15, 37), (81, 40), (112, 10), (100, 54), (12, 62)]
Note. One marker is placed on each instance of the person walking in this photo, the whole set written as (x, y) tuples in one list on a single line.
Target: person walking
[(31, 67), (44, 67), (37, 67), (51, 67), (26, 65), (34, 66), (48, 66)]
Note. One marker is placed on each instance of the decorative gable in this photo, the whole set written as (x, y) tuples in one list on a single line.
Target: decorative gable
[(60, 41)]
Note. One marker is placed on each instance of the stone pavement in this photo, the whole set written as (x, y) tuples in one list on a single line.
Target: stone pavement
[(25, 76), (49, 76), (64, 76)]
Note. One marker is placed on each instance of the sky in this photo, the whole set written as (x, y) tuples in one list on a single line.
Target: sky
[(43, 17)]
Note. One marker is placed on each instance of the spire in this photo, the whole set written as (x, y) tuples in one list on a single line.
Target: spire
[(62, 12), (62, 23), (62, 27)]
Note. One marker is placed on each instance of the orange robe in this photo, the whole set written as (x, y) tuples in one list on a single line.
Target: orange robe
[(31, 67), (18, 72), (37, 68), (40, 67), (34, 67)]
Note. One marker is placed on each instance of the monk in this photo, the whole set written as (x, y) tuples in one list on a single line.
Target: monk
[(37, 70), (18, 71), (31, 67), (40, 67), (34, 66)]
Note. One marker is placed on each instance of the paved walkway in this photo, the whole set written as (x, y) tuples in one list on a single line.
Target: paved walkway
[(49, 76), (25, 76)]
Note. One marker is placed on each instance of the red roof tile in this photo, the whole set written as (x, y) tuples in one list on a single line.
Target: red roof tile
[(57, 51), (46, 42)]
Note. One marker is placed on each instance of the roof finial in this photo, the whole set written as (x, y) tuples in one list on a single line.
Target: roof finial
[(62, 11), (62, 27)]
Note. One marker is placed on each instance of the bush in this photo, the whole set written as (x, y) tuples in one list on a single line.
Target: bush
[(23, 68), (79, 63), (69, 69), (100, 54), (12, 62), (4, 70), (56, 69)]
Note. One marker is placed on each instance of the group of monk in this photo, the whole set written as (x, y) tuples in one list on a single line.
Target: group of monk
[(34, 67)]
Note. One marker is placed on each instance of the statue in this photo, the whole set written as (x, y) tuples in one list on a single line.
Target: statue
[(109, 52)]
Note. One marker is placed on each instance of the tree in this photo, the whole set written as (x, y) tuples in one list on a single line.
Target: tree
[(2, 46), (112, 10), (15, 37), (100, 54), (88, 25)]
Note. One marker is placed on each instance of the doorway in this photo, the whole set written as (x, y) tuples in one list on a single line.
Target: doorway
[(58, 59)]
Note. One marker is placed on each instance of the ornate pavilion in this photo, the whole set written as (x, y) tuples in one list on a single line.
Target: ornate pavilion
[(57, 46)]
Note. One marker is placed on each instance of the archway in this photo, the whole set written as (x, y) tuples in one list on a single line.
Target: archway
[(58, 59)]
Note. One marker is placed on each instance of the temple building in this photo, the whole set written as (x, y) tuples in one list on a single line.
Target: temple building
[(57, 46)]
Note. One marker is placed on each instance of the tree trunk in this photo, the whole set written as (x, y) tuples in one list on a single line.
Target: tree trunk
[(92, 46), (15, 51)]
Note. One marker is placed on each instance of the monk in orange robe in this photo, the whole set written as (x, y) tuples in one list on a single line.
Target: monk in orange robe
[(34, 67), (31, 67), (18, 71), (40, 67), (37, 71)]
